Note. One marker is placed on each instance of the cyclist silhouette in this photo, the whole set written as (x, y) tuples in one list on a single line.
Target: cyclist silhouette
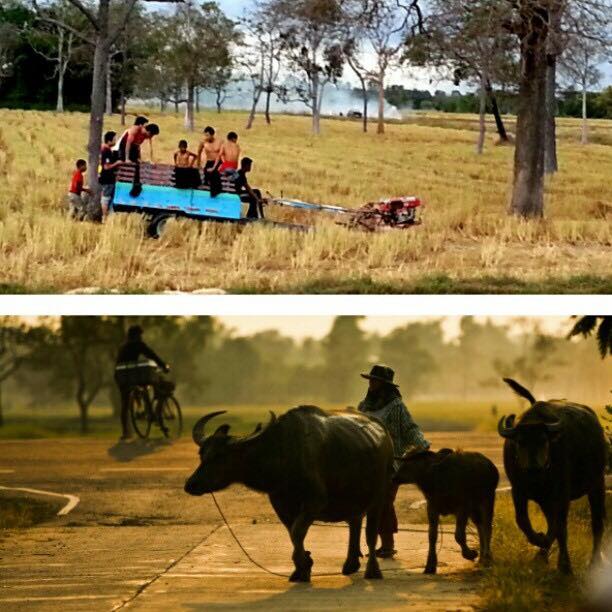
[(129, 354)]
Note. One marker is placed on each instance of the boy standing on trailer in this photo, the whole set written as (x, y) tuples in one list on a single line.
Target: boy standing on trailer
[(210, 146), (108, 175), (77, 205)]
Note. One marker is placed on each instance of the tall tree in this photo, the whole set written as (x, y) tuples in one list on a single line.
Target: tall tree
[(312, 32), (580, 66), (196, 46), (262, 57), (345, 351), (387, 26), (56, 44), (105, 34), (463, 39), (539, 24)]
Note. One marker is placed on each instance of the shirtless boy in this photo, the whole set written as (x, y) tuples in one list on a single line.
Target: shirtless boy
[(209, 147), (229, 154), (184, 158)]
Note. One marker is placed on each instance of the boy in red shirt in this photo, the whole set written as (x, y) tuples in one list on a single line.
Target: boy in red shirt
[(77, 205)]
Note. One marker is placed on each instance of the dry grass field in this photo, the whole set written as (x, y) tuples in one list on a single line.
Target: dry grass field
[(467, 243)]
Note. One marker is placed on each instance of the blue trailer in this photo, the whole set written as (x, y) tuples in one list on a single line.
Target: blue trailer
[(151, 190)]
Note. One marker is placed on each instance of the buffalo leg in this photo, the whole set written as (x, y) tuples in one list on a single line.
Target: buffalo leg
[(522, 520), (432, 557), (351, 565), (460, 538), (597, 501), (563, 563), (373, 522), (301, 558), (485, 530)]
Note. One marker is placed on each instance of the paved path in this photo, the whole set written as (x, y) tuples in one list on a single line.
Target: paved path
[(136, 540)]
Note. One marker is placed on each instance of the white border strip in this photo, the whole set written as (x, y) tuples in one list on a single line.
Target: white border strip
[(304, 305), (73, 500)]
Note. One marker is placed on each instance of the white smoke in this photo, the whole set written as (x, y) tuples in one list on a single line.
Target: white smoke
[(337, 100)]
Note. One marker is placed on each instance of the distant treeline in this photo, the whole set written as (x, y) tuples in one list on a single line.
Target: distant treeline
[(599, 104), (72, 360)]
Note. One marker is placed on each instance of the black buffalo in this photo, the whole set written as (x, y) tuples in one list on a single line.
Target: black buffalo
[(458, 483), (314, 466), (554, 453)]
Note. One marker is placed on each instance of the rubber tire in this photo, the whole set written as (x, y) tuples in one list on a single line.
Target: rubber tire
[(138, 402), (171, 404), (156, 227)]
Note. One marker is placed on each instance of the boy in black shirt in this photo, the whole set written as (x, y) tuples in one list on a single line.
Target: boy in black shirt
[(108, 175), (253, 196)]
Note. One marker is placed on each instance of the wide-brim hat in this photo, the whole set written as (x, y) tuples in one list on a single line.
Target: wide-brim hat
[(383, 373)]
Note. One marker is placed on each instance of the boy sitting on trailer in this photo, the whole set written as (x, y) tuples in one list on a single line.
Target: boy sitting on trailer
[(252, 196), (77, 204), (184, 158), (229, 154)]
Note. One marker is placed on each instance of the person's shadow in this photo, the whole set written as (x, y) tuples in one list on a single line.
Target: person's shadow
[(125, 451)]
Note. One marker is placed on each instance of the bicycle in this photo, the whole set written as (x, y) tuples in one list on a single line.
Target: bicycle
[(155, 403)]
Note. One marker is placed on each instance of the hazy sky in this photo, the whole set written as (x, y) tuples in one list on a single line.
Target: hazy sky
[(317, 327)]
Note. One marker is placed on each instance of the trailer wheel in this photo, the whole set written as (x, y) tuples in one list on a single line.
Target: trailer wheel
[(156, 227)]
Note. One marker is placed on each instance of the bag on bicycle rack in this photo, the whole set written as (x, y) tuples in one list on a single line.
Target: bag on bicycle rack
[(137, 374)]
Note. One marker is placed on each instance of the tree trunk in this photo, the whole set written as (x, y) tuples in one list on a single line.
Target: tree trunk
[(316, 109), (482, 123), (528, 190), (381, 103), (96, 117), (584, 139), (366, 102), (189, 116), (499, 122), (84, 418), (197, 100), (59, 107), (268, 104), (251, 119), (550, 154)]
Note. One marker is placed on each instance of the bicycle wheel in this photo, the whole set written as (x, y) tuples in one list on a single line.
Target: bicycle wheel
[(171, 417), (140, 410)]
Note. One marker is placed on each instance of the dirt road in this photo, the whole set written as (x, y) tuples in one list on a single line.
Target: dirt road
[(136, 541)]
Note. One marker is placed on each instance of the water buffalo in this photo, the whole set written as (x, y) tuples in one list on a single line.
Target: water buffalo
[(314, 466), (554, 453), (458, 483)]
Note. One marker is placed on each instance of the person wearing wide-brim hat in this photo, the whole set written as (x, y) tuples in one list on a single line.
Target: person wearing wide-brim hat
[(384, 402)]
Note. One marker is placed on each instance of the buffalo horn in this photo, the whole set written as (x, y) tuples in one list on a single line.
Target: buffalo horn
[(506, 427), (198, 428), (261, 428)]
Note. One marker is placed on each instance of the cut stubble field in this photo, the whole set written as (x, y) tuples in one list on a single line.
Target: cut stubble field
[(467, 242)]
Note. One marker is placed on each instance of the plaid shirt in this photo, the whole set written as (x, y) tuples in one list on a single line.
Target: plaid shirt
[(403, 430)]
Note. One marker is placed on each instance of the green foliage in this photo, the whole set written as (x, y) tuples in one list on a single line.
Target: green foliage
[(601, 327)]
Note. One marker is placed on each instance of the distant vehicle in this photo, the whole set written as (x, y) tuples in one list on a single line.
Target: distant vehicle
[(354, 114)]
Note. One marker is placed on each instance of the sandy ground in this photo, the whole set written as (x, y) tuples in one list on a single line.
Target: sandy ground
[(136, 541)]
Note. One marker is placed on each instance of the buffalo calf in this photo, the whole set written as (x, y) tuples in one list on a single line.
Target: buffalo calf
[(458, 483)]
